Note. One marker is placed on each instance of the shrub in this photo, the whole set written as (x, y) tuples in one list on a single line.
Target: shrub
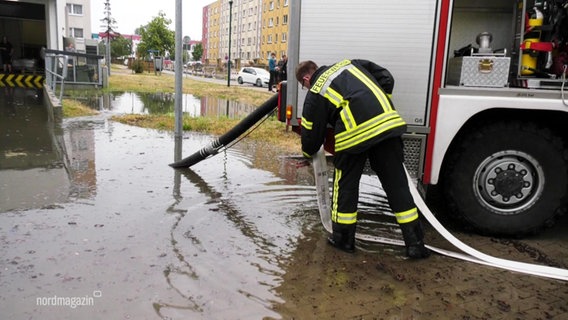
[(138, 66)]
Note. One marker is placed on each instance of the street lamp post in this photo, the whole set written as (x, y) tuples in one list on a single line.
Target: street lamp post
[(229, 61)]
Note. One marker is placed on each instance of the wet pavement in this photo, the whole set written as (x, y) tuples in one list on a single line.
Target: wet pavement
[(94, 224)]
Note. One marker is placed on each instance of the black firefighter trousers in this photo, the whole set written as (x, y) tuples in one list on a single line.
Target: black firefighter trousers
[(386, 160)]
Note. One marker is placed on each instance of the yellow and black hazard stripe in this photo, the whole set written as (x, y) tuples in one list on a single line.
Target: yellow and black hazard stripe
[(21, 80)]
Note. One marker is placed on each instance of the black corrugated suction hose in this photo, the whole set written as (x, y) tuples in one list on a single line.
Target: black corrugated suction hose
[(212, 149)]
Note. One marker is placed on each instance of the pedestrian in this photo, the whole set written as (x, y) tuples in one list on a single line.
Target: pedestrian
[(70, 47), (7, 53), (353, 97), (272, 70), (282, 65)]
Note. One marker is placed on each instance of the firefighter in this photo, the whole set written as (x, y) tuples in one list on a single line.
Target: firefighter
[(353, 97)]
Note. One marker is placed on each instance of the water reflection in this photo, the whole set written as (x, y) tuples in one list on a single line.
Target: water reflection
[(162, 103), (233, 240), (32, 171)]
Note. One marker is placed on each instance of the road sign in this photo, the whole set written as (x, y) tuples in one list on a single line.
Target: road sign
[(13, 80)]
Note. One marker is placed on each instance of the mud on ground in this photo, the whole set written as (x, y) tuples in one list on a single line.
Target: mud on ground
[(377, 282)]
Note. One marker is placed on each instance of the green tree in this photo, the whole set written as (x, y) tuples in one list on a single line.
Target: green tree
[(120, 47), (197, 52), (156, 36)]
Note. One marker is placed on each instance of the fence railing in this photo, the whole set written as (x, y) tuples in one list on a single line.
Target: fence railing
[(66, 67), (55, 72)]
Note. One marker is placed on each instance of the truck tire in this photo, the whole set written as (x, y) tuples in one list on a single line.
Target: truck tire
[(507, 179)]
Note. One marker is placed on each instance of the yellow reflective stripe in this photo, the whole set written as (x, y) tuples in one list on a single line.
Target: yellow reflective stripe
[(326, 77), (307, 124), (336, 179), (346, 218), (368, 125), (357, 139), (347, 117), (340, 217), (307, 155), (379, 94), (334, 97), (406, 216)]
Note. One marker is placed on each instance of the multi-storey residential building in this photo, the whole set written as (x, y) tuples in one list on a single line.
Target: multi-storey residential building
[(78, 19), (205, 32), (213, 40), (246, 31), (258, 27), (78, 26), (274, 34)]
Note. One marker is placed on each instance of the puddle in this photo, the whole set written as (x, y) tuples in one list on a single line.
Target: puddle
[(91, 208)]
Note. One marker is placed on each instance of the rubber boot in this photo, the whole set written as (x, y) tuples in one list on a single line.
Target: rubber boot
[(413, 235), (343, 237)]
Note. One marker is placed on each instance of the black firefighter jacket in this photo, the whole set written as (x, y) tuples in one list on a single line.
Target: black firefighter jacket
[(352, 96)]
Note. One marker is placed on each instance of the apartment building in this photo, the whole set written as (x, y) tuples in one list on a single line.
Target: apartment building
[(78, 23), (274, 35), (258, 27), (247, 33), (212, 34), (78, 19)]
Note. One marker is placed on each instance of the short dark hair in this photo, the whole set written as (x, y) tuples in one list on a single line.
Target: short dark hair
[(304, 68)]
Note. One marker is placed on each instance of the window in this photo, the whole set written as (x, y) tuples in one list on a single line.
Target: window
[(271, 22), (76, 9), (285, 19), (76, 32), (285, 3), (284, 37), (269, 39), (271, 5)]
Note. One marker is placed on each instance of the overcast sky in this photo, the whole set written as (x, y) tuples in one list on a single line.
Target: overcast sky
[(130, 14)]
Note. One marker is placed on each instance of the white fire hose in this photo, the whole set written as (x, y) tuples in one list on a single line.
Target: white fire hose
[(469, 254)]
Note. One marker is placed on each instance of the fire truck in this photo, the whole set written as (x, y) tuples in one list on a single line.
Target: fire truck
[(482, 86)]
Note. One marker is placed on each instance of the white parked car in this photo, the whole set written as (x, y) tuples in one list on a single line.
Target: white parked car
[(257, 76)]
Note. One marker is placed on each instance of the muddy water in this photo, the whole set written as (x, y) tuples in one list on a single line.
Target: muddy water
[(95, 225)]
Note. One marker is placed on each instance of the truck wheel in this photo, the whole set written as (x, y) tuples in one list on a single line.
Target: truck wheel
[(507, 179)]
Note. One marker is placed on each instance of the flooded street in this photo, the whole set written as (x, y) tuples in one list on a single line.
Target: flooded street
[(94, 224)]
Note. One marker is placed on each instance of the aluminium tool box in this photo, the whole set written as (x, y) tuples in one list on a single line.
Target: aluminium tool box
[(479, 70)]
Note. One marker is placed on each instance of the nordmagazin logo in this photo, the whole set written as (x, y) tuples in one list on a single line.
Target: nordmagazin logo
[(71, 302)]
